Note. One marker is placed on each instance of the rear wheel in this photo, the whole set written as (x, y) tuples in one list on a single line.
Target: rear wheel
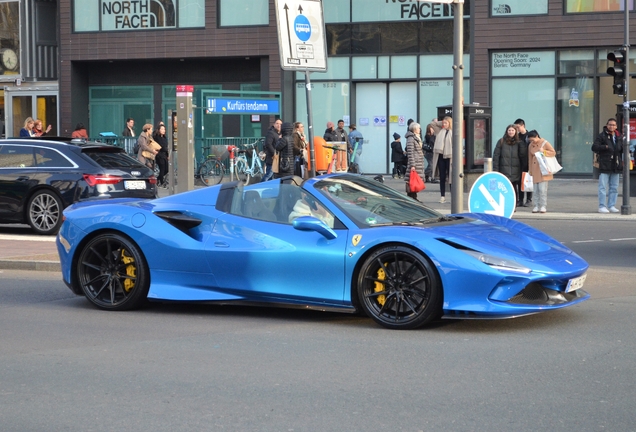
[(399, 288), (44, 212), (211, 172), (240, 169), (113, 273)]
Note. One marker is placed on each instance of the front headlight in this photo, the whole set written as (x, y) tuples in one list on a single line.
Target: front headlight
[(498, 263)]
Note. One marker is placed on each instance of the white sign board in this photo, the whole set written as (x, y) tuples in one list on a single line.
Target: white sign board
[(301, 35)]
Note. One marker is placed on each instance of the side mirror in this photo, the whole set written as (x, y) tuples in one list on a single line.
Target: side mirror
[(310, 223)]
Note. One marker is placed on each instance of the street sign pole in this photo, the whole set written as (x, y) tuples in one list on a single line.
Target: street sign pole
[(310, 127), (457, 190), (626, 208)]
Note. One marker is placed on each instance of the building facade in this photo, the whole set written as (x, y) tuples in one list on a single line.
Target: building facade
[(388, 61)]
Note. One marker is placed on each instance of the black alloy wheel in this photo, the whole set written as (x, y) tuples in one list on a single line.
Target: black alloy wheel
[(113, 273), (44, 212), (399, 288)]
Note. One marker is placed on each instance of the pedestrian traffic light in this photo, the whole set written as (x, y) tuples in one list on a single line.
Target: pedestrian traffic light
[(619, 58)]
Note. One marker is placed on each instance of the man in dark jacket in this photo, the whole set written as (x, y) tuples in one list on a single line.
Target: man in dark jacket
[(273, 134), (523, 137), (608, 146)]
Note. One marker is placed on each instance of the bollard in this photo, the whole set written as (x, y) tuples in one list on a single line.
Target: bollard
[(487, 165)]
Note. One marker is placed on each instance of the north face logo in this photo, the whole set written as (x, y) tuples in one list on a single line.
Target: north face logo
[(502, 9)]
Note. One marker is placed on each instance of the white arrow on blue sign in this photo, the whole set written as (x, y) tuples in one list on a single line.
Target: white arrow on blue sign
[(492, 193)]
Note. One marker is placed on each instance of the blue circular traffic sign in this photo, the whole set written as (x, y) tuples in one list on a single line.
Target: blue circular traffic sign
[(302, 27), (492, 193)]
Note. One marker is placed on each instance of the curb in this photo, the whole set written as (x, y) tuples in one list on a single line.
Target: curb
[(49, 266)]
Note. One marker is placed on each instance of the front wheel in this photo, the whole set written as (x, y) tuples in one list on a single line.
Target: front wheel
[(113, 273), (399, 288), (211, 172), (241, 171)]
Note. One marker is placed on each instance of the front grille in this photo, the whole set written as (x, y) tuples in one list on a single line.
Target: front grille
[(532, 294)]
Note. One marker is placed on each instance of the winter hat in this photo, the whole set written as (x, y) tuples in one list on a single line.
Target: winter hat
[(287, 128), (396, 136)]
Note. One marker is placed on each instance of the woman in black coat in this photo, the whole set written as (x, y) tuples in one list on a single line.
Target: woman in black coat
[(285, 148), (162, 157), (510, 157), (398, 157)]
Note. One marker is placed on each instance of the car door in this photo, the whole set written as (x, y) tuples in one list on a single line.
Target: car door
[(270, 259), (16, 178)]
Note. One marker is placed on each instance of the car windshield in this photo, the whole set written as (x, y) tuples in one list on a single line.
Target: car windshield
[(370, 203)]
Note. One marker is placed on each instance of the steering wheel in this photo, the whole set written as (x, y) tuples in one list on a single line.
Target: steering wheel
[(378, 208)]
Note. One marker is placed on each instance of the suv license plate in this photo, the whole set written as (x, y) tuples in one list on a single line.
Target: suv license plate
[(576, 283), (135, 184)]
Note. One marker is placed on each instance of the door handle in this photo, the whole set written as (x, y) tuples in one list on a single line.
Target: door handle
[(221, 244), (22, 178)]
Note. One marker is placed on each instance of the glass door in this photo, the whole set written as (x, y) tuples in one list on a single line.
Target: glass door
[(371, 121), (41, 105)]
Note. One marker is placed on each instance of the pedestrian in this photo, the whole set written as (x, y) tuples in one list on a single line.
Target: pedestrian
[(345, 149), (128, 130), (415, 156), (509, 158), (27, 130), (429, 145), (442, 156), (608, 146), (539, 180), (80, 131), (38, 128), (355, 137), (523, 137), (162, 156), (272, 137), (398, 157), (285, 148), (300, 150), (146, 154)]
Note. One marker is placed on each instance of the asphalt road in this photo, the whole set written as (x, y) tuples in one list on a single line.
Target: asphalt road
[(67, 366)]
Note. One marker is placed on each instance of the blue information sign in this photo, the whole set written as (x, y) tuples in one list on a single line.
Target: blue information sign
[(243, 106), (492, 193)]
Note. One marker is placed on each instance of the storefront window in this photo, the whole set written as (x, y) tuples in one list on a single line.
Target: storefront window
[(9, 40), (576, 108), (337, 68), (339, 11), (436, 93), (115, 15), (441, 65), (243, 13), (578, 6), (330, 102), (576, 62), (518, 7), (531, 99)]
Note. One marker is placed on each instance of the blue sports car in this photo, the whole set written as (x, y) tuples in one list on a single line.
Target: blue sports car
[(339, 242)]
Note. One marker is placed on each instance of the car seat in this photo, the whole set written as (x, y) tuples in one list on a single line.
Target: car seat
[(253, 207), (287, 197)]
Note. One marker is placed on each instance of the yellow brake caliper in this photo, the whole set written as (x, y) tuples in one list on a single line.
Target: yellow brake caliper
[(131, 270), (379, 286)]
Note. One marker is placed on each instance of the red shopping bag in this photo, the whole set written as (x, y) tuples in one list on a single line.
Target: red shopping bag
[(416, 184)]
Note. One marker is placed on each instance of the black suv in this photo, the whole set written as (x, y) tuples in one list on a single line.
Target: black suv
[(39, 178)]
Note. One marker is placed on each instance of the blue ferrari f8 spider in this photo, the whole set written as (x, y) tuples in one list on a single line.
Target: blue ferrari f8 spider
[(339, 242)]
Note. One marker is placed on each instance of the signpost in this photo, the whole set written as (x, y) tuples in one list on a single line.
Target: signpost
[(492, 193), (303, 47)]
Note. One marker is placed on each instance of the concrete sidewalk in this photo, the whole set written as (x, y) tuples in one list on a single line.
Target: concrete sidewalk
[(568, 199)]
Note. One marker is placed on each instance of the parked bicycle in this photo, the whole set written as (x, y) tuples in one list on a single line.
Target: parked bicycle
[(210, 170), (249, 171)]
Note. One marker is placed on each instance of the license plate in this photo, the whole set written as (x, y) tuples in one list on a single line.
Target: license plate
[(135, 184), (576, 283)]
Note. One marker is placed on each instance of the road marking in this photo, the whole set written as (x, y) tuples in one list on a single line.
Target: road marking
[(622, 239), (27, 237), (588, 241)]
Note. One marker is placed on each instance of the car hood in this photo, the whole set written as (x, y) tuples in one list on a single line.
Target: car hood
[(497, 235)]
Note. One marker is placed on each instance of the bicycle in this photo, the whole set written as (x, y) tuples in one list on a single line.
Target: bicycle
[(211, 170), (246, 172)]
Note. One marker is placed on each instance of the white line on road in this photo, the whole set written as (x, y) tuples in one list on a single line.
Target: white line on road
[(27, 237)]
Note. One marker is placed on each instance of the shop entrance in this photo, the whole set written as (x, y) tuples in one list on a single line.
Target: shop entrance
[(381, 110), (36, 103)]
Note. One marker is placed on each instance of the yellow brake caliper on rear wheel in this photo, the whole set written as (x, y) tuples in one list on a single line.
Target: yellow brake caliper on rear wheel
[(379, 286), (131, 270)]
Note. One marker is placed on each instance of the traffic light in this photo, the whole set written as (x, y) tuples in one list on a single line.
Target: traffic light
[(618, 70)]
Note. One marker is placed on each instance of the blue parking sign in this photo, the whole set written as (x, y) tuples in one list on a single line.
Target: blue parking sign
[(492, 193)]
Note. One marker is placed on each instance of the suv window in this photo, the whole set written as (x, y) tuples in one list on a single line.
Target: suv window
[(16, 156), (49, 158), (112, 160)]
